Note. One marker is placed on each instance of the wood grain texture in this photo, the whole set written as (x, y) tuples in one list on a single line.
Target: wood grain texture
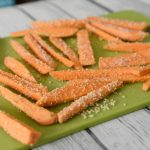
[(79, 8), (11, 20), (116, 5), (43, 11), (130, 132), (77, 141)]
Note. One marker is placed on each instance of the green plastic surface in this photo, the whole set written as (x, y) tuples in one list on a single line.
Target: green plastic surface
[(134, 98)]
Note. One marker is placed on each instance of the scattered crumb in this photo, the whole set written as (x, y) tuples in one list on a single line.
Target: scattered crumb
[(105, 105)]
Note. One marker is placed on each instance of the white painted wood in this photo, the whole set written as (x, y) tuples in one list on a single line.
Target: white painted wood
[(130, 132), (79, 8), (78, 141), (43, 11), (117, 5), (146, 1), (11, 20)]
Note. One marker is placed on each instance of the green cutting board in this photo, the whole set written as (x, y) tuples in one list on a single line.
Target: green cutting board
[(128, 99)]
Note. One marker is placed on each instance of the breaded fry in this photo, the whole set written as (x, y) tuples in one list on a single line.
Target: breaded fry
[(127, 47), (71, 91), (89, 74), (18, 68), (122, 33), (88, 100), (38, 87), (133, 25), (21, 87), (51, 31), (39, 114), (40, 66), (125, 60), (85, 51), (59, 23), (18, 130), (103, 35), (66, 50), (39, 51), (56, 55)]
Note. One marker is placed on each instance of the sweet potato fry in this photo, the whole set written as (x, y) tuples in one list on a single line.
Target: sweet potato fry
[(28, 57), (132, 59), (18, 130), (21, 87), (129, 78), (66, 50), (71, 91), (127, 47), (39, 51), (86, 55), (103, 35), (133, 25), (146, 85), (39, 114), (89, 74), (58, 23), (56, 55), (36, 86), (88, 100), (122, 33), (52, 31), (18, 68), (21, 33)]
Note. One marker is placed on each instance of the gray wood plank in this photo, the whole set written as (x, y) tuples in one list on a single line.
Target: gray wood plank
[(79, 8), (130, 132), (11, 20), (146, 1), (43, 11), (78, 141), (117, 5)]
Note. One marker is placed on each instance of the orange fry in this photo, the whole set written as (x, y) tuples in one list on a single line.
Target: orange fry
[(18, 68), (39, 87), (18, 130), (132, 59), (127, 47), (85, 50), (100, 73), (22, 87), (66, 50), (122, 33), (52, 31), (56, 55), (21, 33), (146, 85), (30, 39), (72, 90), (100, 33), (58, 23), (31, 59), (88, 100), (39, 114), (133, 25)]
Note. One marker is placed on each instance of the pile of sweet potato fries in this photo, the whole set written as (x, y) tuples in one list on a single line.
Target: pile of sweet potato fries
[(85, 86)]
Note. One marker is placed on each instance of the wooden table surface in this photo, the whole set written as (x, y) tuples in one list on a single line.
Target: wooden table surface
[(130, 132)]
